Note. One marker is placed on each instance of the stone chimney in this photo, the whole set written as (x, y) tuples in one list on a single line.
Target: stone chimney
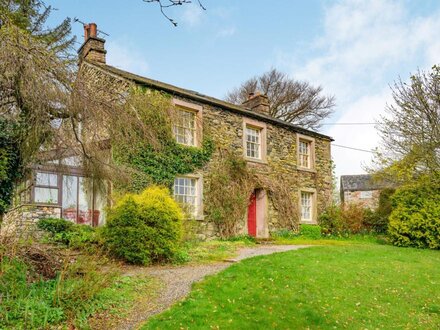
[(93, 47), (257, 102)]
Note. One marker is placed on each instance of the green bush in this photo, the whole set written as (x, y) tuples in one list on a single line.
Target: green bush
[(144, 228), (11, 168), (415, 219), (24, 304), (351, 218), (72, 235), (310, 231), (305, 231), (284, 233), (331, 221), (28, 301), (377, 221), (54, 226)]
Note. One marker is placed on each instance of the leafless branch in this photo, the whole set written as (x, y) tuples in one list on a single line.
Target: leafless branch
[(163, 5), (290, 100)]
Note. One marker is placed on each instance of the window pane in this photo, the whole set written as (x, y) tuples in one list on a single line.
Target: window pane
[(85, 201), (70, 197), (46, 195), (253, 142), (306, 206), (304, 153), (185, 192), (46, 179), (184, 127)]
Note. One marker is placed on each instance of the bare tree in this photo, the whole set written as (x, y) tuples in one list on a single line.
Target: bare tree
[(293, 101), (410, 133)]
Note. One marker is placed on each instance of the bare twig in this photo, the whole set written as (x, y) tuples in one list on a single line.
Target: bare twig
[(172, 3)]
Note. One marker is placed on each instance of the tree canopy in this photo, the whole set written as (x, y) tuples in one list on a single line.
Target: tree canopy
[(294, 101), (35, 78), (57, 111), (410, 131)]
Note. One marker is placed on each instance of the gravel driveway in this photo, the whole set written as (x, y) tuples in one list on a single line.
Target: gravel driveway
[(177, 281)]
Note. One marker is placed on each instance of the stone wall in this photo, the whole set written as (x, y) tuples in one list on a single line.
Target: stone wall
[(356, 197), (22, 219), (226, 130)]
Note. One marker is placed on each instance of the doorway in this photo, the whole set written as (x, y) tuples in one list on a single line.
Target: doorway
[(257, 214), (252, 215)]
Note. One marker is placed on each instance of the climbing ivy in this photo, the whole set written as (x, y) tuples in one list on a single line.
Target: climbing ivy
[(159, 159), (162, 166), (229, 185)]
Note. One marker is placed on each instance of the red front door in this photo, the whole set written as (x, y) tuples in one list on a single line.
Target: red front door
[(252, 216)]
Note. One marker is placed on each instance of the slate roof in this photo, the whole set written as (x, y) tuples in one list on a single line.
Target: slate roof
[(362, 182), (173, 90)]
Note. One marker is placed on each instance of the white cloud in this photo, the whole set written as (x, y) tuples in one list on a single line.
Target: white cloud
[(366, 109), (126, 57), (192, 15), (364, 47), (226, 32)]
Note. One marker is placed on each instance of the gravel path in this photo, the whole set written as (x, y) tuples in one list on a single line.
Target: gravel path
[(177, 281)]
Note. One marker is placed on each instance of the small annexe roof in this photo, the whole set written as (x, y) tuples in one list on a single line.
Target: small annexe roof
[(362, 182)]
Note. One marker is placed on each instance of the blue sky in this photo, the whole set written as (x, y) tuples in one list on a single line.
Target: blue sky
[(354, 49)]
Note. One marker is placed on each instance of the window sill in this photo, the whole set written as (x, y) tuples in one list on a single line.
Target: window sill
[(255, 160), (188, 145), (43, 204), (199, 217), (305, 169), (310, 222)]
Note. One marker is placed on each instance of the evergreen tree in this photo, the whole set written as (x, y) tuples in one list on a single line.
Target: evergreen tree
[(35, 79)]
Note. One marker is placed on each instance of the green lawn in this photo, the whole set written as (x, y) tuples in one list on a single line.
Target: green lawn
[(329, 287)]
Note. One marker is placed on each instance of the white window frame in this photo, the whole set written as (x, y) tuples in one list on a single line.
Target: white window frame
[(253, 142), (197, 129), (310, 147), (313, 205), (304, 153), (48, 186), (188, 136), (261, 143), (197, 207), (366, 194)]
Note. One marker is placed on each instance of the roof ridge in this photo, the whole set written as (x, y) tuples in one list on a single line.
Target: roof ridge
[(204, 98)]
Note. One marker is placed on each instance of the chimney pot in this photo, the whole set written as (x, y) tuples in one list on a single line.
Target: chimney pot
[(86, 32), (93, 30), (93, 47), (257, 102)]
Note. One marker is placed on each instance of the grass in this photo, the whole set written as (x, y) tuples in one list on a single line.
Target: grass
[(118, 301), (355, 287), (215, 250), (331, 240), (75, 294)]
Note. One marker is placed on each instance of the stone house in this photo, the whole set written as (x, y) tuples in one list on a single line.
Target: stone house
[(362, 189), (274, 148)]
